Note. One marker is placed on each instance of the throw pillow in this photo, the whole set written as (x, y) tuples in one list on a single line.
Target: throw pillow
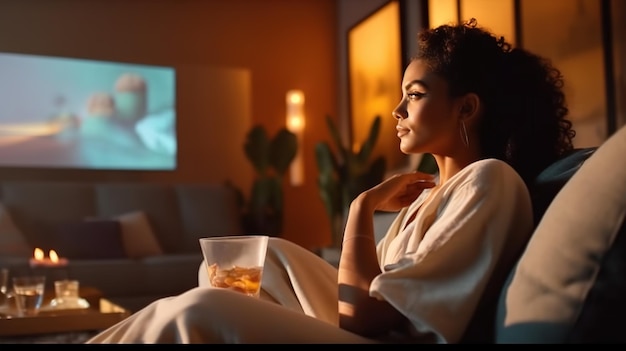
[(89, 240), (12, 241), (569, 285), (137, 235)]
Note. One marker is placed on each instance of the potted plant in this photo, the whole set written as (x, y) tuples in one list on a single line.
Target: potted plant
[(270, 157), (344, 175)]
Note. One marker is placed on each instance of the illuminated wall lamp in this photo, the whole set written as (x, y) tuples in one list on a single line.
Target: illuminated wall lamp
[(295, 124)]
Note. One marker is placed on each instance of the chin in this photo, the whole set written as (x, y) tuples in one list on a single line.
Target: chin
[(412, 146), (408, 150)]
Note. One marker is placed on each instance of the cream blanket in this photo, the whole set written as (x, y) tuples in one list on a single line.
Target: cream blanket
[(434, 271)]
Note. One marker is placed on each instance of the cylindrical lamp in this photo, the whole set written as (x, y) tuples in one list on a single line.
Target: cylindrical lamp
[(295, 124)]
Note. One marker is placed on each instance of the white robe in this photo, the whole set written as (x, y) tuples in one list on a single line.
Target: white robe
[(434, 271)]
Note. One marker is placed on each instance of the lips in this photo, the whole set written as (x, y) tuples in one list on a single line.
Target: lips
[(402, 131)]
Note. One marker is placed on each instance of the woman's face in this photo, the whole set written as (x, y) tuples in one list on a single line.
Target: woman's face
[(427, 116)]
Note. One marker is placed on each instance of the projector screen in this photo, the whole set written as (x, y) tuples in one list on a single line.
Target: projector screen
[(71, 113)]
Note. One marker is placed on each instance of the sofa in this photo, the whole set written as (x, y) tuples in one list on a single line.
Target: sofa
[(134, 242)]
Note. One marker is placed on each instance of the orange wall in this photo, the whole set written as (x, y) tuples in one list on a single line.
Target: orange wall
[(283, 44)]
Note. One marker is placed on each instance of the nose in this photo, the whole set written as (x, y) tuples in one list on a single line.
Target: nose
[(398, 114), (400, 111)]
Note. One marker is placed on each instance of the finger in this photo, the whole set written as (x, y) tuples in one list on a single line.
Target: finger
[(421, 185), (421, 177)]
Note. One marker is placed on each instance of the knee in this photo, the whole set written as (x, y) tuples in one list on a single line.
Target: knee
[(276, 241), (202, 297), (280, 244), (198, 303), (185, 318)]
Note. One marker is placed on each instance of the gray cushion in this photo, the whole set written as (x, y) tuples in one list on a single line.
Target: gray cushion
[(568, 284), (157, 201), (89, 240)]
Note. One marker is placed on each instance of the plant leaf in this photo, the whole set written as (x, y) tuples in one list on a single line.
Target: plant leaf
[(368, 146), (283, 149), (257, 148)]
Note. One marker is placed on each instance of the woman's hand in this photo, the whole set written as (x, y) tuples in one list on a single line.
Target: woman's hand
[(399, 190)]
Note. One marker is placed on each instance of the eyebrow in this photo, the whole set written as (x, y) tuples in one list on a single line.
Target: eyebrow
[(416, 82)]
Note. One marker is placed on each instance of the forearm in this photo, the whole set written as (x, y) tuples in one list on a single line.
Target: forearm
[(358, 266)]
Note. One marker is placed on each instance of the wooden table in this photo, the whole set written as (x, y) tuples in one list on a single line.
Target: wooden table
[(100, 315)]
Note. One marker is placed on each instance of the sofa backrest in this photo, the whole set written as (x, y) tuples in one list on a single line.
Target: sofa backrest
[(38, 208), (568, 285), (179, 214), (207, 210), (550, 181)]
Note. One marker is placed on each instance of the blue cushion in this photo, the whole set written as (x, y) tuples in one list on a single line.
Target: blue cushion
[(550, 181)]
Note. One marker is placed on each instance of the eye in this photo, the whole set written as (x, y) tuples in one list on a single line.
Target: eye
[(413, 96)]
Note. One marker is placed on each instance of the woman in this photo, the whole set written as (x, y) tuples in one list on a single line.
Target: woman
[(493, 117)]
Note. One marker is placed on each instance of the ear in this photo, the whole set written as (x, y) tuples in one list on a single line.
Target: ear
[(470, 106)]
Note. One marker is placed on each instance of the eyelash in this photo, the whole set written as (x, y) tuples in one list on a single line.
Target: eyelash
[(415, 95)]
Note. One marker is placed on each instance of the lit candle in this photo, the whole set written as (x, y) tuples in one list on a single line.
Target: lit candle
[(53, 260)]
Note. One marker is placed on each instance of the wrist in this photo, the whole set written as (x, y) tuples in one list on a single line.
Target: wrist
[(369, 238), (363, 203)]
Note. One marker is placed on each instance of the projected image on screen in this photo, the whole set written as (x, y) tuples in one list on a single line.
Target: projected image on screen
[(70, 113)]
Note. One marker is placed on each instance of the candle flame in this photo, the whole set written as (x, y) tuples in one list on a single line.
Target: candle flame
[(38, 254), (53, 256)]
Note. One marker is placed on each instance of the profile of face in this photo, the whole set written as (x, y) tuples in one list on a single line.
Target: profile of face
[(428, 117)]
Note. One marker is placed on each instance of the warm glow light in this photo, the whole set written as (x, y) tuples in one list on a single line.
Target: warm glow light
[(295, 111), (442, 12), (496, 15), (53, 256), (38, 254), (295, 122), (295, 97), (375, 77)]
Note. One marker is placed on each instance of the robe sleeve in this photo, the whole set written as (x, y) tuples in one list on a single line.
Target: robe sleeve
[(437, 275)]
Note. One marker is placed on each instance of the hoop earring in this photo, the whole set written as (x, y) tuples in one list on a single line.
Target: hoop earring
[(464, 137)]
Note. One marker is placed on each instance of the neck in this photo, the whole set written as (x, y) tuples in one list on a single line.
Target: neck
[(449, 166)]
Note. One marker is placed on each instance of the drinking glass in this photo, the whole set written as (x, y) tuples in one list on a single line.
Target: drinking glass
[(28, 292), (235, 262), (4, 286), (67, 295), (66, 290)]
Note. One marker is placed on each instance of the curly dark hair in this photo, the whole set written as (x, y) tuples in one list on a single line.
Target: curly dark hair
[(524, 121)]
